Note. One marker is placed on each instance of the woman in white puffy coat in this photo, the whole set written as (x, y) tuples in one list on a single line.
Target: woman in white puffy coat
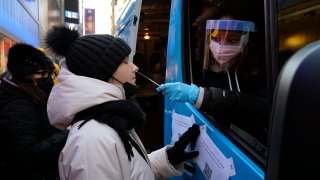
[(93, 96)]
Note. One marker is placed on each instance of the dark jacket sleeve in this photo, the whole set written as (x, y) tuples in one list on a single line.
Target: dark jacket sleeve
[(30, 138), (249, 112), (219, 102)]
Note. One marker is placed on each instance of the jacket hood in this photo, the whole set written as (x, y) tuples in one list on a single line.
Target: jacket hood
[(75, 93)]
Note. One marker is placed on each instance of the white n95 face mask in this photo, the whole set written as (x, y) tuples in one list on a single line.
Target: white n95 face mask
[(224, 53)]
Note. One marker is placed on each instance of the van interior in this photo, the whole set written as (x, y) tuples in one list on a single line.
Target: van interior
[(150, 57)]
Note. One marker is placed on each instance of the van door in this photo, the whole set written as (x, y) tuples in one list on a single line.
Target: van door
[(128, 23)]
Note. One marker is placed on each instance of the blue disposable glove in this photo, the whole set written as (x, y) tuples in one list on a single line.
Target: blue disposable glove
[(180, 92)]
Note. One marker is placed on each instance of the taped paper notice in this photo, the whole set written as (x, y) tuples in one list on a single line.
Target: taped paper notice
[(180, 124), (211, 161)]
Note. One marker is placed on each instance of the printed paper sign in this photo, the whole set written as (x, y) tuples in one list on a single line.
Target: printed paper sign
[(180, 124), (211, 161)]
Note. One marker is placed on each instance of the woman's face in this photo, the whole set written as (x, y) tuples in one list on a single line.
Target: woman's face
[(126, 72), (225, 45)]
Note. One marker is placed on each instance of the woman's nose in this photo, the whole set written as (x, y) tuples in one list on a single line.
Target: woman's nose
[(135, 68), (222, 41)]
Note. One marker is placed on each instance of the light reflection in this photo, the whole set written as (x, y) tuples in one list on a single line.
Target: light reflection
[(295, 41)]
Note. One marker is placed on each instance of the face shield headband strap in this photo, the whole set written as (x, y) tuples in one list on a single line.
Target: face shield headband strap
[(233, 25)]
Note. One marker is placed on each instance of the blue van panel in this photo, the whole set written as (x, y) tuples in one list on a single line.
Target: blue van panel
[(174, 48), (124, 23), (129, 10), (245, 168), (128, 23)]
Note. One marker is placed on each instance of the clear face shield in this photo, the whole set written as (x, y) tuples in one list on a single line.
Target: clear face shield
[(225, 40)]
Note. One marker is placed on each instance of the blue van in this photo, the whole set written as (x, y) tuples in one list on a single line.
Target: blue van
[(291, 48)]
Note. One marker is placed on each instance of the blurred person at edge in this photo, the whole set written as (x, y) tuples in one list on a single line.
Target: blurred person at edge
[(94, 95), (30, 145), (231, 33)]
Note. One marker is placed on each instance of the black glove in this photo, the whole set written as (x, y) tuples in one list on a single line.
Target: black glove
[(176, 154)]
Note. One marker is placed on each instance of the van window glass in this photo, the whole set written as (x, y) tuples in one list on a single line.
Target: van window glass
[(227, 44)]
